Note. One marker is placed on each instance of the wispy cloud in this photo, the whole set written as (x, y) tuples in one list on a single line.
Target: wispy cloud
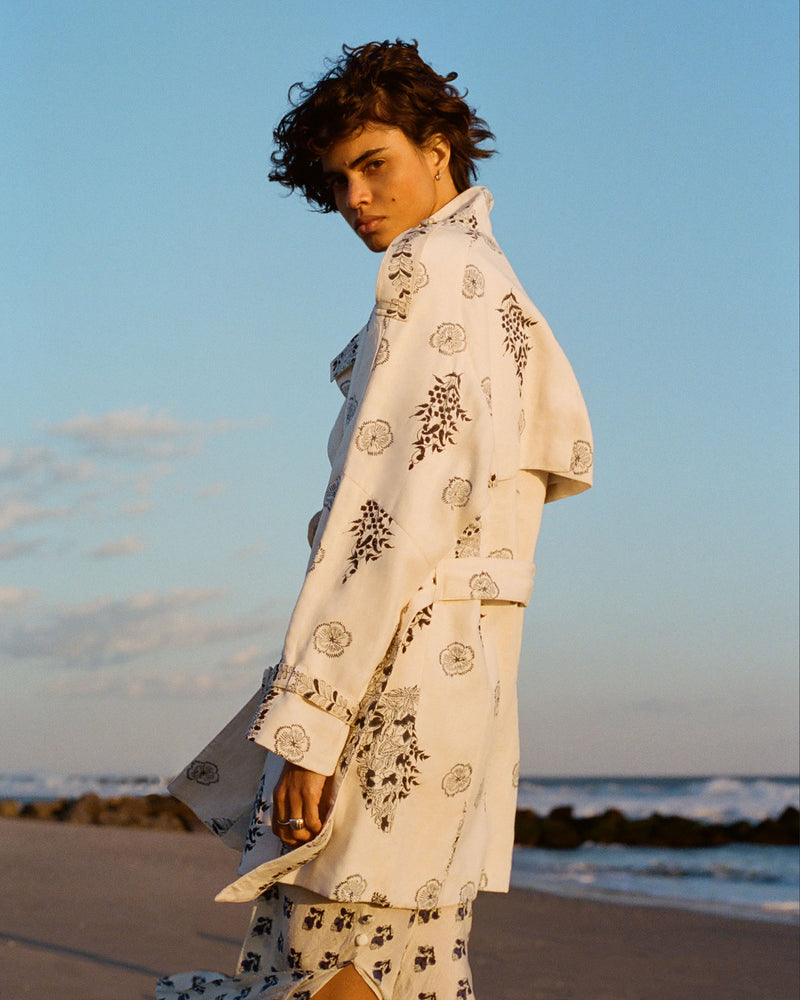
[(182, 684), (13, 597), (16, 512), (15, 550), (138, 433), (111, 631), (244, 658), (130, 545)]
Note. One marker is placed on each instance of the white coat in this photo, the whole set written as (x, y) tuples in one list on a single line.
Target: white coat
[(461, 418)]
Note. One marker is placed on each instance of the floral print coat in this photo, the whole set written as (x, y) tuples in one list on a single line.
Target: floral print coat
[(461, 417)]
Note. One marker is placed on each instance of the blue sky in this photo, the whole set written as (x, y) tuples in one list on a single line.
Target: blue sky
[(167, 317)]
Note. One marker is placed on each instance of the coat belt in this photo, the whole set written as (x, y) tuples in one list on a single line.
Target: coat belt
[(482, 579)]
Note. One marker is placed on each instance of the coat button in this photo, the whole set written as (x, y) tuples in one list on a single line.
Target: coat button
[(361, 940)]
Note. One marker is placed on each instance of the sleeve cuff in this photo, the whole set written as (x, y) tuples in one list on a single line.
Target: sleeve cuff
[(299, 732)]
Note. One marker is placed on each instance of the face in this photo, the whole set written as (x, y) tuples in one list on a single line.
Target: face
[(384, 184)]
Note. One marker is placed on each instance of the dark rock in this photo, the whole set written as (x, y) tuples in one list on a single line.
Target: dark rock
[(86, 809), (527, 828), (789, 819), (44, 810)]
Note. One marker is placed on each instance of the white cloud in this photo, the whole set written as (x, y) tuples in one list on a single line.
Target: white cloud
[(244, 658), (182, 684), (13, 550), (137, 433), (42, 467), (210, 492), (15, 512), (13, 597), (111, 631), (130, 545)]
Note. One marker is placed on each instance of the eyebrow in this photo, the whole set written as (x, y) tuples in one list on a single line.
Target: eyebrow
[(357, 161)]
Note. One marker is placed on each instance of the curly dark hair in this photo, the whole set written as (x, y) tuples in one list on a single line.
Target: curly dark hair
[(383, 82)]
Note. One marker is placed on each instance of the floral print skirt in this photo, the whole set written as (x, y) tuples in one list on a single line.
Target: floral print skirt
[(297, 941)]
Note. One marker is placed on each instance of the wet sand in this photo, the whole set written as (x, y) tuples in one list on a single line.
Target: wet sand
[(98, 913)]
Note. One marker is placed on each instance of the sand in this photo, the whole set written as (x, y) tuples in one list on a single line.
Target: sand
[(97, 913)]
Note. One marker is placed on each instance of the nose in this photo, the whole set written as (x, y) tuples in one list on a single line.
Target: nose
[(357, 192)]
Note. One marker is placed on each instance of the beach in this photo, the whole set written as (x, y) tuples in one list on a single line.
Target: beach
[(98, 913)]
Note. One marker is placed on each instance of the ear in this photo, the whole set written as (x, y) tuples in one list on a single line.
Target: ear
[(438, 150)]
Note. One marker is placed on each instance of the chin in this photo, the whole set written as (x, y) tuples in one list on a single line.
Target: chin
[(376, 244)]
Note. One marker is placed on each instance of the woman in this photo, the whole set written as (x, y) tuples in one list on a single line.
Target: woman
[(387, 794)]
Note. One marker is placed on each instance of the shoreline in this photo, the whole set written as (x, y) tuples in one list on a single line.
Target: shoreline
[(92, 913)]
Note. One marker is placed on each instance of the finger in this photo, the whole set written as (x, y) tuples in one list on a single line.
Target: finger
[(326, 802), (298, 810), (279, 809), (311, 811)]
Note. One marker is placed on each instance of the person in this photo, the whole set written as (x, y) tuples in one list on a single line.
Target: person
[(370, 784)]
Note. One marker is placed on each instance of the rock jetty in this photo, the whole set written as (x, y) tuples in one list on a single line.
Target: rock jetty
[(560, 829)]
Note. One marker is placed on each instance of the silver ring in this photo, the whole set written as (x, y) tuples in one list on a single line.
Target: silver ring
[(295, 824)]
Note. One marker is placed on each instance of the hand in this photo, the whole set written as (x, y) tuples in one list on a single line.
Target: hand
[(312, 527), (300, 794)]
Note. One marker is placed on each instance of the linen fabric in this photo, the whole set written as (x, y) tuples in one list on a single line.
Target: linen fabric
[(297, 941), (461, 417)]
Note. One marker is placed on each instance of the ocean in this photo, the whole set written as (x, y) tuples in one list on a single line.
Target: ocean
[(743, 880)]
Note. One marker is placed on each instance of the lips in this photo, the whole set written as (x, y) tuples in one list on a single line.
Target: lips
[(366, 224)]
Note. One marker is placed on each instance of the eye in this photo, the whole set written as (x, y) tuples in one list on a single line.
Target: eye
[(374, 165)]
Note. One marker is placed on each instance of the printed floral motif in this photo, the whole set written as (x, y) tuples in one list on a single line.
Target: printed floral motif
[(457, 779), (425, 956), (482, 586), (331, 638), (501, 554), (418, 622), (468, 544), (351, 889), (428, 894), (515, 776), (521, 423), (330, 493), (440, 416), (203, 772), (406, 276), (382, 354), (581, 460), (350, 409), (473, 283), (515, 322), (292, 743), (449, 338), (319, 555), (457, 492), (259, 818), (345, 358), (388, 758), (374, 437), (457, 658), (373, 533), (344, 386), (468, 893), (314, 690), (486, 386), (220, 825), (464, 991)]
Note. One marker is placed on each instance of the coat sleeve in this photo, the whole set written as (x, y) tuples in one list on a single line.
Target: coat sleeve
[(412, 471)]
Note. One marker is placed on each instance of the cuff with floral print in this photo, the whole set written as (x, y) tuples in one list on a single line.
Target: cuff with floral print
[(298, 731)]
